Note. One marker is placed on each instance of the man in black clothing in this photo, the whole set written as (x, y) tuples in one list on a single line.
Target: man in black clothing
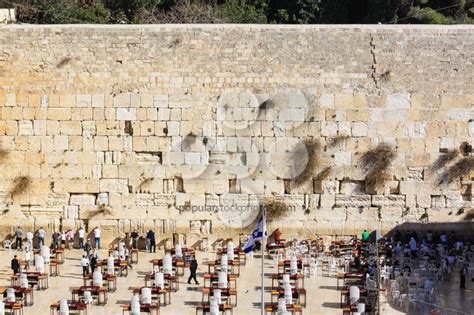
[(15, 265), (93, 263), (151, 241), (134, 236), (192, 268)]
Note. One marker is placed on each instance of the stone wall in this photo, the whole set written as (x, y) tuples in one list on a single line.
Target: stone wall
[(189, 129)]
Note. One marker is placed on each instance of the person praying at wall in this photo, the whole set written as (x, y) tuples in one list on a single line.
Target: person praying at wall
[(97, 234), (19, 236), (81, 234), (151, 241), (41, 236)]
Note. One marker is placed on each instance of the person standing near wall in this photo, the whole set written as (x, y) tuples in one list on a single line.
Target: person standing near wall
[(41, 236), (81, 233), (151, 241), (97, 234), (18, 240)]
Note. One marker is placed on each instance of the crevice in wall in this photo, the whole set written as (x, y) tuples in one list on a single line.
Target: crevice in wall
[(374, 65)]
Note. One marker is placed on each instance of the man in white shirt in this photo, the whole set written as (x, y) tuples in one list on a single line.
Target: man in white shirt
[(41, 236), (81, 233), (29, 238), (97, 233), (85, 265)]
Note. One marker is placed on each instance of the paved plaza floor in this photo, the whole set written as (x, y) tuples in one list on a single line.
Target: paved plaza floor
[(322, 296)]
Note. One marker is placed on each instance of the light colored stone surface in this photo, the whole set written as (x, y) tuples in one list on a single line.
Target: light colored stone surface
[(160, 116)]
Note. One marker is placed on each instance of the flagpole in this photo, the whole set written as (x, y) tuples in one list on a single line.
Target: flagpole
[(262, 262)]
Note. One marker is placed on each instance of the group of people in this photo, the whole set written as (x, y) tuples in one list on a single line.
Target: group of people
[(150, 240)]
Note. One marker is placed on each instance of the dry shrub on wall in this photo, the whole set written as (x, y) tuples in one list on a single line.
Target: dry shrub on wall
[(444, 159), (3, 155), (103, 210), (313, 148), (21, 185), (461, 168), (324, 173), (376, 164), (276, 208), (469, 215)]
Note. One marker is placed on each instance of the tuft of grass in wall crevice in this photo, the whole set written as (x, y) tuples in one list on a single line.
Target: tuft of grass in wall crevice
[(21, 185), (376, 164)]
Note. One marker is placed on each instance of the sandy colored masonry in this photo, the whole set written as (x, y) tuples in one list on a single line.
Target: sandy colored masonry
[(189, 128)]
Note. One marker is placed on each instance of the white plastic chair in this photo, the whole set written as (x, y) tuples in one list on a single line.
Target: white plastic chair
[(7, 244), (63, 307)]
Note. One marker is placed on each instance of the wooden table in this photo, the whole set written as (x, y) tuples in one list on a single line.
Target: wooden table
[(216, 264), (345, 295), (349, 277), (177, 264), (54, 267), (59, 255), (146, 308), (285, 265), (121, 265), (238, 252), (297, 279), (225, 293), (171, 281), (15, 308), (80, 308), (213, 279), (77, 293), (157, 292), (25, 294), (109, 278), (272, 308), (298, 294), (206, 308), (34, 278)]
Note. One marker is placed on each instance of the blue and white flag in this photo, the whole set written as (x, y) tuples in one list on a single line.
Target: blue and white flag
[(259, 233)]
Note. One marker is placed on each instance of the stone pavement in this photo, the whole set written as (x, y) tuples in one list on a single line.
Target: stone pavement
[(322, 295)]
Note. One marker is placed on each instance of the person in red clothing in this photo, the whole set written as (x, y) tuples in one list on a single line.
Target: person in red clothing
[(277, 235)]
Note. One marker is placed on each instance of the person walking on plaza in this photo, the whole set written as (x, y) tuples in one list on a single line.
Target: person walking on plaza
[(87, 247), (81, 233), (41, 236), (56, 236), (15, 265), (85, 265), (27, 259), (93, 262), (18, 240), (97, 234), (192, 268), (151, 241)]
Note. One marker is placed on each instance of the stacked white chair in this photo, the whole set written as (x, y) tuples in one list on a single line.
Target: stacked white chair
[(110, 265), (293, 265), (178, 251), (97, 279), (167, 264), (354, 294), (121, 250), (361, 308), (159, 280), (282, 307), (11, 295), (214, 306), (135, 305), (23, 280), (222, 280), (146, 295), (314, 266), (63, 307), (87, 297), (288, 295), (2, 308), (230, 250), (286, 279), (218, 295), (225, 263), (46, 254), (39, 263)]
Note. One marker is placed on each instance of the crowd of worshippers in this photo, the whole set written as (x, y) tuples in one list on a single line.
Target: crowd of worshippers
[(443, 250)]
